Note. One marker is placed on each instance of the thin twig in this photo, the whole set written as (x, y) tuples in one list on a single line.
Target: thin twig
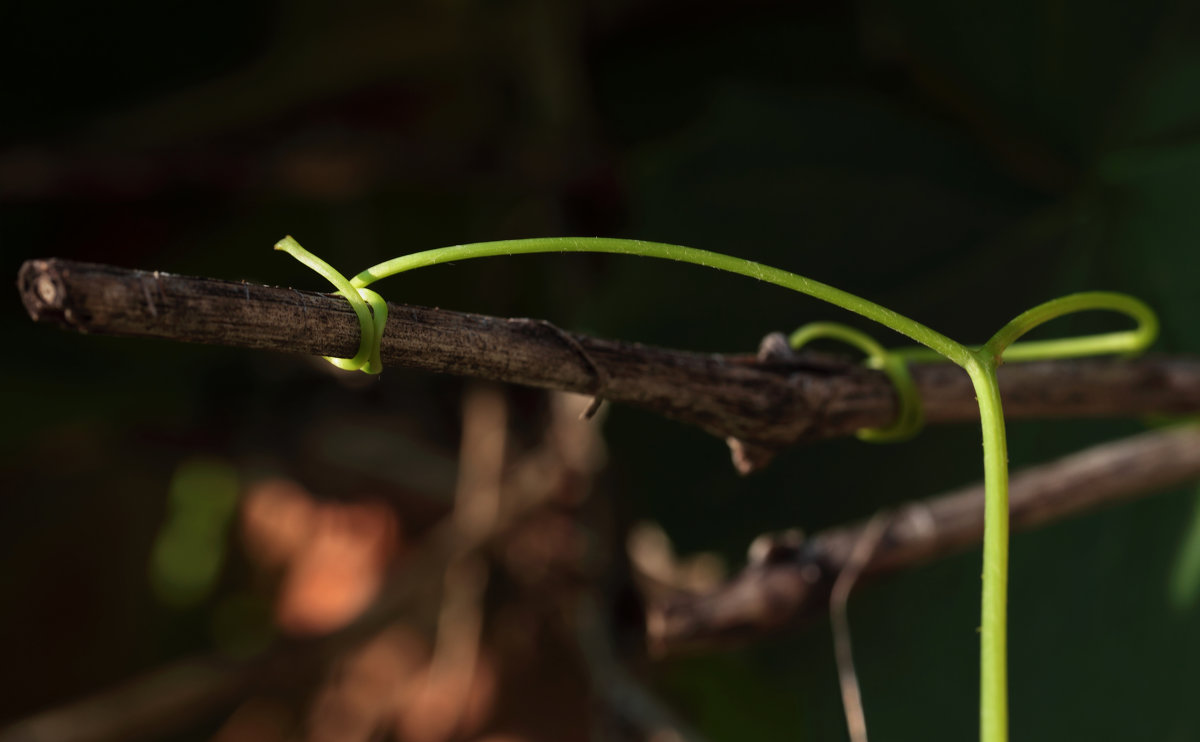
[(792, 580), (762, 404), (633, 713), (477, 509), (856, 718)]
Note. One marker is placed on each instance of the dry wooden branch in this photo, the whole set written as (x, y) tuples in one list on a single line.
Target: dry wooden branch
[(790, 580), (765, 403)]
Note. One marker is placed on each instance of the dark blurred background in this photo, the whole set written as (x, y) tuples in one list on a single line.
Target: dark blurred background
[(954, 162)]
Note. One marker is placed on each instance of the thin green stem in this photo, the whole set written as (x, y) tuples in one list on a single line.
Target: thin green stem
[(993, 631), (886, 317)]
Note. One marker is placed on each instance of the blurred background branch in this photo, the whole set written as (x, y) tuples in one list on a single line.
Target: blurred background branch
[(790, 577)]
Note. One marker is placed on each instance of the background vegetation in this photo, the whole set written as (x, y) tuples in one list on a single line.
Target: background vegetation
[(955, 163)]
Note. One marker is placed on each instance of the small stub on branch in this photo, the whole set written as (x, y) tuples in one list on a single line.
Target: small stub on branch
[(749, 457)]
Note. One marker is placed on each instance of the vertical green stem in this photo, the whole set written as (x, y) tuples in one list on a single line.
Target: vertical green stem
[(993, 639)]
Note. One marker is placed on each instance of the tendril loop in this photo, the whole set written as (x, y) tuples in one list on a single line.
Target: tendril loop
[(1003, 344), (910, 416), (368, 306)]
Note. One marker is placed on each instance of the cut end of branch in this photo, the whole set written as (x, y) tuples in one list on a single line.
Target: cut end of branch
[(43, 292)]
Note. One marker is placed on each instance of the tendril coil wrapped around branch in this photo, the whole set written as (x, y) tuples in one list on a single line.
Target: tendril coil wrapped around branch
[(910, 418), (369, 306)]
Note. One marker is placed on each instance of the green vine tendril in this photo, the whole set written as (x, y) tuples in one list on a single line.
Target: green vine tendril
[(369, 306), (911, 416), (980, 364)]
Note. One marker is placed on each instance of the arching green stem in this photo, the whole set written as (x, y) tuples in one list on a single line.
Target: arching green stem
[(886, 317), (980, 364)]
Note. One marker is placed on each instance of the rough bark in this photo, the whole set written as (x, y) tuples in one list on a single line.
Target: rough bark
[(761, 404)]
